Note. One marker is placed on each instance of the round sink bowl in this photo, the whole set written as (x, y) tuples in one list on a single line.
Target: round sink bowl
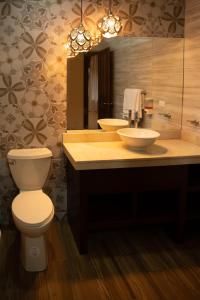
[(138, 138), (112, 124)]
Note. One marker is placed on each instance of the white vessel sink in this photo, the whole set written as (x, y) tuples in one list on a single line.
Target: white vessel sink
[(112, 124), (138, 138)]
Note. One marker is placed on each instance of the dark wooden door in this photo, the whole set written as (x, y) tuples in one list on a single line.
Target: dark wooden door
[(75, 92), (104, 84)]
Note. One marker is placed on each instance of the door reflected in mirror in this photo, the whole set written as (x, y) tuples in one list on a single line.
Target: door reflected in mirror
[(96, 82)]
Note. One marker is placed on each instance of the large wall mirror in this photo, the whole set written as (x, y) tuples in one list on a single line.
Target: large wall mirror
[(96, 81)]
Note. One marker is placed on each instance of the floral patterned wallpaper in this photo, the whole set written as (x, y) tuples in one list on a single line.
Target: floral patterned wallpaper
[(33, 73)]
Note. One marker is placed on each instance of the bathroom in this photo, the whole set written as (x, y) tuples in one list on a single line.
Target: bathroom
[(136, 262)]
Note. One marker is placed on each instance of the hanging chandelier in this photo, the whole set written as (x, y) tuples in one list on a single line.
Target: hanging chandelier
[(70, 52), (109, 25), (80, 39)]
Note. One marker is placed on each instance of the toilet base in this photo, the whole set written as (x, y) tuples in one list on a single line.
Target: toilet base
[(33, 253)]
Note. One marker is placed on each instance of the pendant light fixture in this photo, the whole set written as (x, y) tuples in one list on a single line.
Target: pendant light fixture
[(80, 39), (70, 52), (109, 25)]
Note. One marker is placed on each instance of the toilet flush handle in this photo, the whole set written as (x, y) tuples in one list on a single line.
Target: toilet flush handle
[(11, 162)]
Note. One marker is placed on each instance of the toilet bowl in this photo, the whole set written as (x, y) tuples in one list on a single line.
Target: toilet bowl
[(32, 209)]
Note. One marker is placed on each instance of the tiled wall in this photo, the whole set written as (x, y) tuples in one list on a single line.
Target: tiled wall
[(33, 72), (167, 85), (191, 107), (132, 68)]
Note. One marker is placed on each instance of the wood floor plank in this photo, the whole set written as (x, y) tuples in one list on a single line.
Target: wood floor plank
[(131, 272), (84, 280), (16, 283), (138, 264), (110, 274), (168, 268)]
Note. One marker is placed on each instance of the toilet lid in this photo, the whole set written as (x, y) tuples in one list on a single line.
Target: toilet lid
[(32, 207), (32, 153)]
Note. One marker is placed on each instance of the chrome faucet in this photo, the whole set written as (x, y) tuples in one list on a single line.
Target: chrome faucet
[(136, 119), (128, 117)]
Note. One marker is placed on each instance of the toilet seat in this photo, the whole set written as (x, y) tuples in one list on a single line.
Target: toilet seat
[(32, 208)]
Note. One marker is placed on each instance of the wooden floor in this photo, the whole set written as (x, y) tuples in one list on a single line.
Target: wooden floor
[(134, 264)]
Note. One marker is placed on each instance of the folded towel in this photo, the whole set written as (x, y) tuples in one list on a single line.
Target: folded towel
[(133, 100)]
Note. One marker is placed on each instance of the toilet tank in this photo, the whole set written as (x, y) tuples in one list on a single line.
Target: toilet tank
[(29, 167)]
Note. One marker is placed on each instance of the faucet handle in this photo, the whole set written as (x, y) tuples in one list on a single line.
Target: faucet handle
[(166, 115), (195, 123)]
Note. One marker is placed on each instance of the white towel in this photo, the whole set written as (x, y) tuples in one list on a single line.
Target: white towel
[(133, 100)]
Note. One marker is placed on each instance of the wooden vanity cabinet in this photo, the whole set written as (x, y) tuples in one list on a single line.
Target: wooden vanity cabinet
[(111, 198), (193, 196)]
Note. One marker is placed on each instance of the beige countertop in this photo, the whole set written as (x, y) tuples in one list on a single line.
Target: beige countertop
[(87, 150)]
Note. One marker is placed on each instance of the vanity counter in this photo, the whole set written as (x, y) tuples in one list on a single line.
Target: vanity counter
[(91, 155), (108, 183)]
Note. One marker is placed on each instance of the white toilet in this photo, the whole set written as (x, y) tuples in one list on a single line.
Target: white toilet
[(32, 209)]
